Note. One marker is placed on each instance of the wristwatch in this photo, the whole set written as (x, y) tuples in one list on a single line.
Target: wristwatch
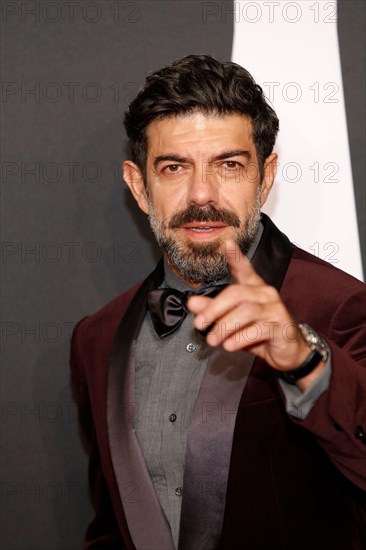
[(319, 352)]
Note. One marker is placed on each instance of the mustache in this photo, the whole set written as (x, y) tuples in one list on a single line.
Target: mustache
[(208, 213)]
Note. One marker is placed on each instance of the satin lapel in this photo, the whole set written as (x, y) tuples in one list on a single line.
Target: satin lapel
[(211, 431), (273, 254), (146, 522), (209, 446)]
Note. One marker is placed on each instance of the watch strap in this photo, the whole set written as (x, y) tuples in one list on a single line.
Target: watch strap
[(310, 363)]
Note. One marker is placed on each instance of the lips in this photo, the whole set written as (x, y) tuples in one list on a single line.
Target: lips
[(203, 231), (204, 226)]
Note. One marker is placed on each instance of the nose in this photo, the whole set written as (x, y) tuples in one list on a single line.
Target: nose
[(202, 187)]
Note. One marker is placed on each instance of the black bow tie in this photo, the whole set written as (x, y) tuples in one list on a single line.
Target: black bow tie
[(168, 307)]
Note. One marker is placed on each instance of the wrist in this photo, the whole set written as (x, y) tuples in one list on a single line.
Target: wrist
[(315, 354), (306, 381)]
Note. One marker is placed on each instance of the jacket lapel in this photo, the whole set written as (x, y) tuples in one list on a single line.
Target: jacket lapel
[(273, 254), (211, 432), (146, 522), (209, 444)]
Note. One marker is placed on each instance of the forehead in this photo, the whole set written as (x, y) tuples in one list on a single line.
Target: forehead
[(199, 131)]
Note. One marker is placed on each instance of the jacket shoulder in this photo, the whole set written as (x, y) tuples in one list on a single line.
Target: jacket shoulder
[(111, 312), (318, 272), (319, 293), (97, 331)]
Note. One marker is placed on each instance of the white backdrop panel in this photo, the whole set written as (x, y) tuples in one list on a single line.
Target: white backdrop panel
[(291, 49)]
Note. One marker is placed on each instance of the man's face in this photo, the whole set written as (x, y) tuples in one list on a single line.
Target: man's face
[(203, 187)]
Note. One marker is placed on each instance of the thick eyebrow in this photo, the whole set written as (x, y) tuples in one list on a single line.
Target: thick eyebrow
[(221, 156), (230, 154)]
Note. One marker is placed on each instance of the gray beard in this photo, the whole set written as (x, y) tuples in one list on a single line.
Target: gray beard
[(203, 262)]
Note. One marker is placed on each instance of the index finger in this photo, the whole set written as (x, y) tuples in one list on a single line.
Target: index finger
[(240, 266)]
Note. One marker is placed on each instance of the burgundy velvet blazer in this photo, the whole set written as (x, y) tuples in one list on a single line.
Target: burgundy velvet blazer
[(291, 483)]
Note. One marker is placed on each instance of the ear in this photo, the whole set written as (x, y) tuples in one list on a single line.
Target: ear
[(135, 181), (270, 171)]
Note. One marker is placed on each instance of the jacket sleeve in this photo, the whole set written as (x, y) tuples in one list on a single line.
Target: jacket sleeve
[(103, 532), (338, 417)]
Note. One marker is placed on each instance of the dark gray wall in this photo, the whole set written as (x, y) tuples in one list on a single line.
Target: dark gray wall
[(352, 43), (72, 239), (69, 221)]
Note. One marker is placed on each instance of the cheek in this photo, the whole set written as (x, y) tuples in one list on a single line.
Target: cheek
[(167, 202), (239, 200), (163, 207)]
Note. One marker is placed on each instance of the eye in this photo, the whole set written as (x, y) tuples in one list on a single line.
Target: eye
[(172, 168), (231, 165)]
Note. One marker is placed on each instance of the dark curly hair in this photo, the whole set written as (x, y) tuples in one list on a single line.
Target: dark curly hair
[(200, 83)]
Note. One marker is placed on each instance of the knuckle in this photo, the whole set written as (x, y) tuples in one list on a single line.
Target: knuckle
[(248, 310)]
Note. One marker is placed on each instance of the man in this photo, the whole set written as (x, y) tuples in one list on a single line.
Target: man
[(223, 400)]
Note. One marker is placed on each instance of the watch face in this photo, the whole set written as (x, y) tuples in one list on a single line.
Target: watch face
[(314, 340), (307, 332), (319, 352)]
